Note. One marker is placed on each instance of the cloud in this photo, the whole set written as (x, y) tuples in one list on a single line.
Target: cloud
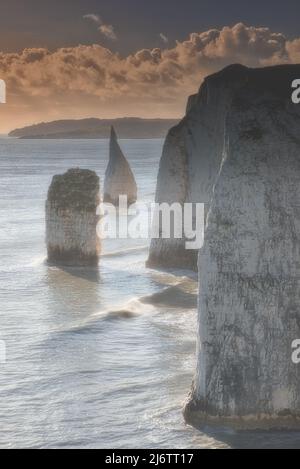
[(106, 29), (93, 17), (91, 80), (164, 38), (293, 49)]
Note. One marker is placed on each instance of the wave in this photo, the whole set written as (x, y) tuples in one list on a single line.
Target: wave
[(38, 261), (174, 277), (182, 296), (124, 252), (129, 310)]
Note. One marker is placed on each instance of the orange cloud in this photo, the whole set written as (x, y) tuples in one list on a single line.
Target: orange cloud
[(91, 80)]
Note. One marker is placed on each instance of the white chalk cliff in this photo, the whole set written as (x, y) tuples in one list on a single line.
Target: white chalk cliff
[(238, 151), (190, 163), (119, 178), (71, 219)]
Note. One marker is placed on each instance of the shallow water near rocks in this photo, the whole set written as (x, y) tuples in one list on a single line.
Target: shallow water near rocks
[(95, 358)]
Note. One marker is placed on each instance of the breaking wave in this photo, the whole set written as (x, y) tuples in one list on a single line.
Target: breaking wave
[(172, 297)]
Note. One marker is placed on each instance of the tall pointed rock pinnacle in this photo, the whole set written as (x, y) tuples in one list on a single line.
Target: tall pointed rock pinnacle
[(119, 179)]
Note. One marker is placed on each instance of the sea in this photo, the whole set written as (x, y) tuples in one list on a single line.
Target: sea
[(94, 358)]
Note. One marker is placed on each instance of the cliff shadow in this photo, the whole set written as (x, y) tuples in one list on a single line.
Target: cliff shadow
[(172, 297)]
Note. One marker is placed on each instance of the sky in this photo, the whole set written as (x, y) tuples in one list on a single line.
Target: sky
[(110, 58)]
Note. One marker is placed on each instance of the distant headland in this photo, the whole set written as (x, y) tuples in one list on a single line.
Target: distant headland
[(127, 127)]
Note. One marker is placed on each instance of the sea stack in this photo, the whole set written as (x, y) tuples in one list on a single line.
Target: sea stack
[(71, 219), (119, 179), (249, 266)]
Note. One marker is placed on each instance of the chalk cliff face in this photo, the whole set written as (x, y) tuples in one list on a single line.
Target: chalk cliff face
[(119, 179), (71, 219), (245, 154), (191, 161)]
